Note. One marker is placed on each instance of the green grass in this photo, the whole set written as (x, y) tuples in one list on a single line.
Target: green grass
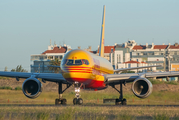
[(172, 82), (88, 113), (6, 87), (154, 81), (162, 116), (43, 116), (18, 88), (10, 88), (4, 78)]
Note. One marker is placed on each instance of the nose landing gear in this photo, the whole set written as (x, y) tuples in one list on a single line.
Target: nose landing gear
[(77, 100)]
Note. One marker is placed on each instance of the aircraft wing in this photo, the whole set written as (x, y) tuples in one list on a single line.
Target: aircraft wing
[(130, 77), (132, 68), (45, 76)]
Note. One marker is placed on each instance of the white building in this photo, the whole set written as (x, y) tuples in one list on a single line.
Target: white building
[(41, 61)]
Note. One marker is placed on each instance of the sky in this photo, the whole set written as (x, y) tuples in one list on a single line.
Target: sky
[(26, 26)]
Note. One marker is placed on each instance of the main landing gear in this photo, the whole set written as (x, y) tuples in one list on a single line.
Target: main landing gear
[(77, 99), (119, 101), (61, 100)]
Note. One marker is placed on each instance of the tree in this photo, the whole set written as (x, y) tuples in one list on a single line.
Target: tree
[(19, 69), (55, 62)]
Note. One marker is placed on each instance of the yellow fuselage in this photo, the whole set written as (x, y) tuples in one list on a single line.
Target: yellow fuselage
[(84, 67)]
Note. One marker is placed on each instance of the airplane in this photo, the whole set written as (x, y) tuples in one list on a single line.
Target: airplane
[(85, 70)]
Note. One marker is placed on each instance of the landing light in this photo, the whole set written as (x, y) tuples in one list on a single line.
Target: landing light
[(77, 89)]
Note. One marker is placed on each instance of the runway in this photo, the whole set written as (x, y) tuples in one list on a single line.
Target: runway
[(85, 105)]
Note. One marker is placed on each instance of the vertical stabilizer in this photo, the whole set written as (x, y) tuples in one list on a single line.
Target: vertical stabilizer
[(101, 48)]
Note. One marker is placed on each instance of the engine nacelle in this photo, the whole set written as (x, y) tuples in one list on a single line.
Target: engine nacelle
[(32, 88), (142, 87)]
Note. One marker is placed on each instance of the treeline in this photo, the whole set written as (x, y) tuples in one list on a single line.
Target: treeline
[(19, 68), (10, 88)]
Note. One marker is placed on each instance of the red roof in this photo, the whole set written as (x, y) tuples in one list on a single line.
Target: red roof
[(143, 62), (132, 61), (160, 46), (174, 47), (56, 50), (139, 47), (107, 49)]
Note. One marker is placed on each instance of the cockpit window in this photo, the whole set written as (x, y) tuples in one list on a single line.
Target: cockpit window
[(85, 62), (70, 62), (76, 62)]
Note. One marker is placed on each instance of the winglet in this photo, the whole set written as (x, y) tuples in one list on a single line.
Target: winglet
[(101, 49)]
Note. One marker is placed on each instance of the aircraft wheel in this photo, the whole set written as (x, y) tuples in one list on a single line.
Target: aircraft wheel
[(63, 101), (75, 101), (57, 102), (117, 102), (124, 102), (80, 101)]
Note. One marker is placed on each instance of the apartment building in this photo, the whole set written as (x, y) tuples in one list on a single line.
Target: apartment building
[(165, 55), (41, 61), (128, 54)]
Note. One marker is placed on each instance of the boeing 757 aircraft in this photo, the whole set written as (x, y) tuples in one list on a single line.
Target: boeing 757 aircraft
[(83, 69)]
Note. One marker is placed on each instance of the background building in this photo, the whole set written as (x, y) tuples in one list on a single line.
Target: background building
[(128, 54), (41, 61), (165, 55)]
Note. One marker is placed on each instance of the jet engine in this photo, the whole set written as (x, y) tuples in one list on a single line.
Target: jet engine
[(142, 87), (32, 88)]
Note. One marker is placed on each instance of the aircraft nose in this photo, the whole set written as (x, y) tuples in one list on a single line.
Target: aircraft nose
[(81, 75)]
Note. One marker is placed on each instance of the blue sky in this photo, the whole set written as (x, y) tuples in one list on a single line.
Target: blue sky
[(26, 26)]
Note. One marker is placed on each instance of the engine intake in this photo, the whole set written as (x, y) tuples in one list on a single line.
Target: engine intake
[(32, 88), (142, 87)]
